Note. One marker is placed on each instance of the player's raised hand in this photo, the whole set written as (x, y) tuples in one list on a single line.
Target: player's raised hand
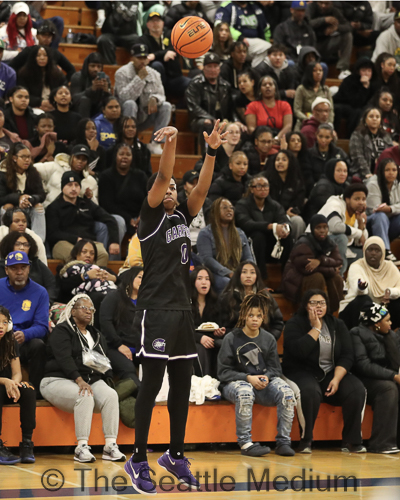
[(217, 136), (169, 132)]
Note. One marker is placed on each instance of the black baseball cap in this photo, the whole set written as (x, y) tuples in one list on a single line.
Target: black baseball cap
[(139, 50), (190, 176), (47, 27), (211, 58), (80, 149)]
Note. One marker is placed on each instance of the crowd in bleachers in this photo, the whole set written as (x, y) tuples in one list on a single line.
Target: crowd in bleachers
[(73, 177)]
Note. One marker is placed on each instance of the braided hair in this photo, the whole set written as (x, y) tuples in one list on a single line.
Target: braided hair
[(257, 300)]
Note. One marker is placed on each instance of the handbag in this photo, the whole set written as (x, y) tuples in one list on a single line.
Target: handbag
[(93, 359)]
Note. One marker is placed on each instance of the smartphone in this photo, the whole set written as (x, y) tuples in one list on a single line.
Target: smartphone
[(101, 75)]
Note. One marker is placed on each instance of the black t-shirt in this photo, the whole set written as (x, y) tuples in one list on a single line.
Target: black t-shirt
[(6, 371), (165, 245)]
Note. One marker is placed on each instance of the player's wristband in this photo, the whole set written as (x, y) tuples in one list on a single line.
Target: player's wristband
[(211, 151)]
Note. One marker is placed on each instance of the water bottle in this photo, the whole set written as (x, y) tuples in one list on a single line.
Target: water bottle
[(70, 36)]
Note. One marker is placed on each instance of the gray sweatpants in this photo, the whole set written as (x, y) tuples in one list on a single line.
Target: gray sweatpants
[(63, 394)]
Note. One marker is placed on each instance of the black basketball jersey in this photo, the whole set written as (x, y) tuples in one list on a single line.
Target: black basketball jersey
[(165, 245)]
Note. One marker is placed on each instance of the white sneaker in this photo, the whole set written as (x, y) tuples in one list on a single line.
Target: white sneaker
[(112, 452), (101, 17), (390, 257), (155, 148), (350, 254), (82, 454), (344, 74)]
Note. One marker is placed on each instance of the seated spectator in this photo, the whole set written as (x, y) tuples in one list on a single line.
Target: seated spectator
[(296, 32), (65, 120), (296, 143), (184, 9), (376, 362), (383, 204), (18, 32), (383, 100), (67, 225), (162, 55), (333, 32), (17, 219), (312, 86), (320, 109), (222, 43), (117, 312), (314, 263), (371, 279), (387, 76), (367, 142), (347, 221), (247, 84), (389, 40), (121, 28), (247, 22), (360, 16), (14, 390), (287, 188), (90, 86), (21, 186), (142, 94), (86, 134), (44, 143), (19, 117), (393, 153), (127, 133), (228, 148), (134, 256), (269, 110), (250, 372), (307, 55), (259, 148), (51, 173), (205, 310), (264, 221), (218, 254), (28, 304), (232, 183), (247, 280), (40, 76), (353, 95), (122, 189), (7, 138), (46, 33), (105, 123), (235, 65), (35, 10), (72, 386), (8, 76), (318, 357), (39, 272)]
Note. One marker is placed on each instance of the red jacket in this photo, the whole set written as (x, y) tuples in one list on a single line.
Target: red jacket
[(309, 129)]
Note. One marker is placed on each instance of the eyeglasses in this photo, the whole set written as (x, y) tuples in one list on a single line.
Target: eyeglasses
[(24, 157), (317, 302), (260, 186), (85, 308), (21, 244), (264, 141)]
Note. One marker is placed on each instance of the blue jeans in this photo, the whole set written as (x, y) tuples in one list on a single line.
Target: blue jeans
[(158, 120), (387, 228), (277, 393), (101, 232), (341, 240)]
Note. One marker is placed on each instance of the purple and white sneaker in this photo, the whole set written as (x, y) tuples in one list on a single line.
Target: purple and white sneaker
[(179, 468), (140, 477)]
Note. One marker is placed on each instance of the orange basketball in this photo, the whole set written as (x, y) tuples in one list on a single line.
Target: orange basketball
[(192, 37)]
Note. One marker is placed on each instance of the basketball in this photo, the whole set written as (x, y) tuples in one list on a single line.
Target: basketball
[(192, 37)]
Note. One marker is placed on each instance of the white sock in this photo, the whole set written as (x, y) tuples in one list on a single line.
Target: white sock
[(247, 445), (109, 441), (101, 14), (81, 442)]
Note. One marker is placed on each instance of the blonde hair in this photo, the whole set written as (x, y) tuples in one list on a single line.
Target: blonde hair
[(257, 300)]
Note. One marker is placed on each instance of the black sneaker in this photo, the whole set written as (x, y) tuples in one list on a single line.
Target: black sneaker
[(354, 448), (255, 450), (26, 452), (305, 447), (284, 450), (6, 457)]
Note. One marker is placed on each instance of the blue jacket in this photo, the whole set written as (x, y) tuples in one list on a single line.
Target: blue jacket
[(8, 79), (29, 308), (105, 132), (248, 22)]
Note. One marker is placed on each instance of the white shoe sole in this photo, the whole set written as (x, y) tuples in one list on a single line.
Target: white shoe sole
[(85, 461), (180, 480), (136, 488), (107, 457)]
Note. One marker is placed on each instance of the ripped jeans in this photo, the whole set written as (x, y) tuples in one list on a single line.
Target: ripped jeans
[(277, 393)]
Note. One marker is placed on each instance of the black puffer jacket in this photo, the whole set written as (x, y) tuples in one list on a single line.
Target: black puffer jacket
[(227, 187), (33, 187), (315, 169)]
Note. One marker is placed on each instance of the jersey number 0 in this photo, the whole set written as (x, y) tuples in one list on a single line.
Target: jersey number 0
[(184, 253)]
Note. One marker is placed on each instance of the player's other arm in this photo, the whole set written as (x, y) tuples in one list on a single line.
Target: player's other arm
[(167, 162), (199, 193)]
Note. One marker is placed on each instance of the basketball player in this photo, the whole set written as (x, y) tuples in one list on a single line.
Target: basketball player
[(163, 321)]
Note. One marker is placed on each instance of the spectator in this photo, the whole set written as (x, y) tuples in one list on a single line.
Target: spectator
[(250, 371), (231, 184), (367, 143), (248, 84), (376, 361), (51, 173), (235, 65), (44, 142), (247, 280), (318, 357), (225, 152), (383, 100), (72, 386), (7, 138), (333, 34), (142, 94), (259, 148), (162, 55), (361, 17), (65, 120), (40, 76), (105, 123), (296, 32), (18, 32), (387, 75), (208, 98), (67, 224), (222, 44), (86, 134), (90, 86), (314, 263), (35, 8), (8, 77), (296, 143), (5, 12), (312, 87), (393, 153), (219, 255), (122, 28), (13, 390), (307, 56), (21, 186), (354, 93), (247, 22), (265, 222), (269, 110), (134, 256), (389, 40), (321, 109), (28, 304), (15, 241), (184, 9), (19, 117)]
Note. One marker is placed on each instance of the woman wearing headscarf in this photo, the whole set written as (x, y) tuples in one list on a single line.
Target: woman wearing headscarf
[(371, 279), (314, 263), (377, 364)]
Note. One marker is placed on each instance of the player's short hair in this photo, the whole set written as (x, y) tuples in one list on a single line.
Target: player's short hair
[(152, 179)]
